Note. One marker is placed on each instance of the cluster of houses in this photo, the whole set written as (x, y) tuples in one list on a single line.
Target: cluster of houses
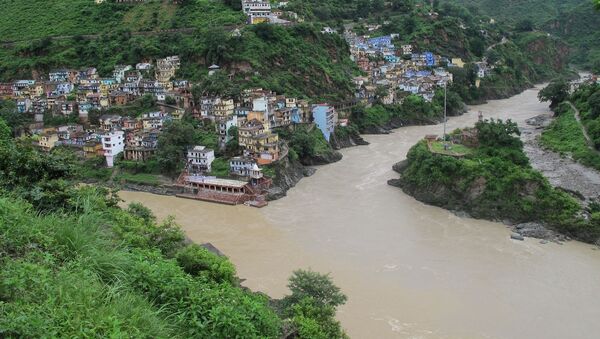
[(402, 70), (256, 115), (259, 11), (73, 91)]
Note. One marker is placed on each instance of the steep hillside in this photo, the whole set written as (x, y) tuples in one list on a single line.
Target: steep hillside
[(23, 20), (538, 11), (580, 26), (294, 60), (573, 20)]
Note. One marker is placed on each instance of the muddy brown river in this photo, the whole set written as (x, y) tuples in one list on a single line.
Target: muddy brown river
[(409, 270)]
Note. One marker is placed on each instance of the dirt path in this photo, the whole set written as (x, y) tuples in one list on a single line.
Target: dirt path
[(585, 134), (562, 172)]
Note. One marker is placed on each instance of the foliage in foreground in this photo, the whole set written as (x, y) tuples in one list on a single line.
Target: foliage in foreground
[(74, 264), (495, 182)]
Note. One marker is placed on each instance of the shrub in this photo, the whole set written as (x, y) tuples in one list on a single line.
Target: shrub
[(197, 260)]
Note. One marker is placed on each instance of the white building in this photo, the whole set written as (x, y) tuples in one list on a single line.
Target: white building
[(200, 159), (112, 144), (223, 125), (241, 166), (257, 10)]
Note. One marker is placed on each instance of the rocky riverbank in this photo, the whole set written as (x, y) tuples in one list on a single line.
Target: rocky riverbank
[(561, 171), (519, 231)]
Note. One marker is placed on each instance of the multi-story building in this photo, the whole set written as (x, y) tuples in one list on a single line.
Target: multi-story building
[(48, 140), (223, 125), (256, 10), (113, 144), (245, 167), (166, 68), (199, 159), (325, 118), (141, 145), (259, 141)]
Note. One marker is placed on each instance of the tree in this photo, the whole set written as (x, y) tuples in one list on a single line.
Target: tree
[(319, 287), (147, 101), (312, 305), (402, 5), (94, 116), (597, 4), (176, 137), (525, 25), (232, 147), (556, 92), (15, 120), (594, 104), (363, 8), (234, 4), (380, 93), (497, 133), (378, 6)]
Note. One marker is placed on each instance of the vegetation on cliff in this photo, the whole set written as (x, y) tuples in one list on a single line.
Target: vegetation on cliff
[(567, 134), (75, 264), (495, 181), (414, 110), (575, 21)]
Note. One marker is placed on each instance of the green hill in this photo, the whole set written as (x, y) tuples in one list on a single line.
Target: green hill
[(23, 20), (295, 60), (573, 20)]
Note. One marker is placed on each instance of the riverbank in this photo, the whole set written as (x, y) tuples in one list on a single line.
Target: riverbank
[(409, 269), (496, 181)]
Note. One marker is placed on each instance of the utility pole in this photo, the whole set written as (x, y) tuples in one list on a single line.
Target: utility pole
[(445, 118)]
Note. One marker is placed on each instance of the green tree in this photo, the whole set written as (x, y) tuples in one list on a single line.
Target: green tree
[(402, 5), (377, 6), (363, 8), (319, 287), (594, 104), (232, 148), (380, 93), (312, 305), (498, 133), (173, 142), (525, 25), (556, 92), (17, 121)]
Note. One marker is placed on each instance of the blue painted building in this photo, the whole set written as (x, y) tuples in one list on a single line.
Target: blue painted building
[(325, 118)]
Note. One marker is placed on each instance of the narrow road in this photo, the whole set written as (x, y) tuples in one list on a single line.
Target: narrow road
[(585, 134)]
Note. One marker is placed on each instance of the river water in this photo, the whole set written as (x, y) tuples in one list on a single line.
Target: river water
[(409, 270)]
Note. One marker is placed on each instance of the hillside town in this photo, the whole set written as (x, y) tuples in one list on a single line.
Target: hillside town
[(75, 93), (401, 71)]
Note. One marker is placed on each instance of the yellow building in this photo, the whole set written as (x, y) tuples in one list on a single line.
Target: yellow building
[(223, 108), (48, 140), (92, 149), (259, 141), (458, 62), (260, 116)]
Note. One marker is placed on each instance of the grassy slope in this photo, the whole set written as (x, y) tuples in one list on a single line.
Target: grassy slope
[(22, 20), (103, 272), (564, 135)]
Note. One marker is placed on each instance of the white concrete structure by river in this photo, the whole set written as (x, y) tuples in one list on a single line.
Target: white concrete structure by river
[(409, 270)]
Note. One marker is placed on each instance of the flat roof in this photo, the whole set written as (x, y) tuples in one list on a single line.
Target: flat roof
[(215, 181)]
